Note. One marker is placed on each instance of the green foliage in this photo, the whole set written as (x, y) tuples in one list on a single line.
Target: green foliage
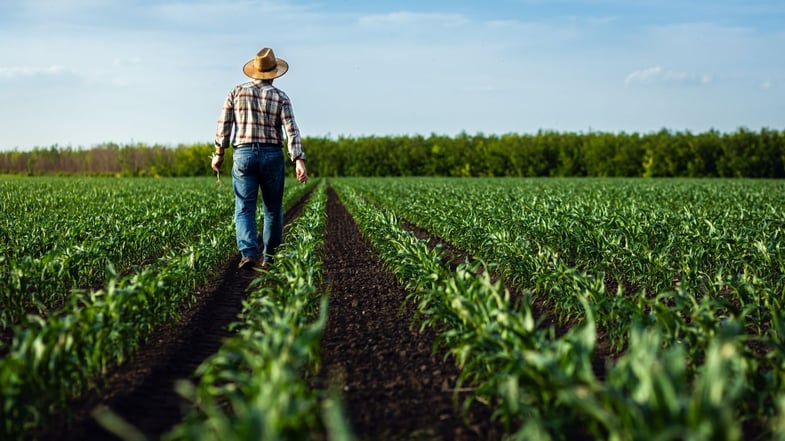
[(682, 278), (743, 153), (60, 233), (86, 305), (664, 153), (260, 372), (114, 160), (53, 360)]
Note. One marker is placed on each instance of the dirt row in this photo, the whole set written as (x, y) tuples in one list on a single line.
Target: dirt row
[(141, 390), (393, 385)]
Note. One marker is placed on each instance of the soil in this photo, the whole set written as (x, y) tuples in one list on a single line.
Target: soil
[(542, 310), (141, 391), (393, 385)]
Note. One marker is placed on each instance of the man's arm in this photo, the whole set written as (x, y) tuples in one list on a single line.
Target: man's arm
[(223, 134), (295, 146)]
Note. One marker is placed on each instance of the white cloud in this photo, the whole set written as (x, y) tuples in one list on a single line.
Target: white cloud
[(765, 85), (592, 20), (208, 12), (55, 7), (28, 71), (658, 75), (642, 76), (126, 61), (412, 19)]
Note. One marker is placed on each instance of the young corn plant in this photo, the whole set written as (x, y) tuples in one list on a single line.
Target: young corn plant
[(54, 359), (256, 386), (100, 222), (667, 385)]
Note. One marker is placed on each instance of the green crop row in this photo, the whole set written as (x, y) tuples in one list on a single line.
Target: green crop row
[(256, 385), (59, 235), (691, 369), (697, 251), (643, 233), (55, 359)]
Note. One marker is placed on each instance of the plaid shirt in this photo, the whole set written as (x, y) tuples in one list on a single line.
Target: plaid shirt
[(258, 110)]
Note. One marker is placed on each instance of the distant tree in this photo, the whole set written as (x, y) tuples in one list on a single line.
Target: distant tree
[(743, 153)]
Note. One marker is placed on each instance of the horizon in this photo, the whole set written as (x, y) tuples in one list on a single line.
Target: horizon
[(139, 144)]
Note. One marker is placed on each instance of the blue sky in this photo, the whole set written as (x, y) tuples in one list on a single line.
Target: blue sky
[(81, 72)]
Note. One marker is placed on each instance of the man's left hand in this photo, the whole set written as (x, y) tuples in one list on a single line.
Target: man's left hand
[(302, 174)]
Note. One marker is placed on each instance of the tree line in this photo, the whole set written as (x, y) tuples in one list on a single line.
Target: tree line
[(111, 159), (743, 153)]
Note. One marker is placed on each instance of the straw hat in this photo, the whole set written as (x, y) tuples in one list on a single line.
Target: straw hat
[(265, 66)]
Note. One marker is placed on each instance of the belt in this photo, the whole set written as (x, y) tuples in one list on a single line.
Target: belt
[(258, 144)]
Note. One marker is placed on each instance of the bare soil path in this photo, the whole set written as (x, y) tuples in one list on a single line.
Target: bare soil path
[(142, 390), (393, 386)]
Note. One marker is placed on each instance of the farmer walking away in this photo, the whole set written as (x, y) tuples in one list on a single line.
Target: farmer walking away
[(257, 111)]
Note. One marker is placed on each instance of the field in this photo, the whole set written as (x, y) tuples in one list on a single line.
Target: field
[(398, 308)]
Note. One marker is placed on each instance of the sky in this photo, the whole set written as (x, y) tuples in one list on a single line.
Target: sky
[(78, 73)]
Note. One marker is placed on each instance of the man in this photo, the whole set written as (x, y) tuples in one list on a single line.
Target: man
[(257, 110)]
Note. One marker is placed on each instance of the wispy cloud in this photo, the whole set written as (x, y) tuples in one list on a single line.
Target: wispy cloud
[(207, 12), (592, 20), (120, 62), (644, 75), (114, 72), (12, 72), (658, 75), (396, 19)]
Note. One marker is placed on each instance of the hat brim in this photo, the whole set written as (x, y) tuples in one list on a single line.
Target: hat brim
[(280, 69)]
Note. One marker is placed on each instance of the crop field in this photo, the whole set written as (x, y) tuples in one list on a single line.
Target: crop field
[(397, 308)]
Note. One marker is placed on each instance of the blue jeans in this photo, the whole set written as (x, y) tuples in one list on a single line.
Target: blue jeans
[(258, 166)]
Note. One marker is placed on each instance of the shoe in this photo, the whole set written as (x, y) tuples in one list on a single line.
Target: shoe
[(247, 263)]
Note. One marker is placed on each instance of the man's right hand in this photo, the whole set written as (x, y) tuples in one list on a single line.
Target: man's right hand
[(217, 161)]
